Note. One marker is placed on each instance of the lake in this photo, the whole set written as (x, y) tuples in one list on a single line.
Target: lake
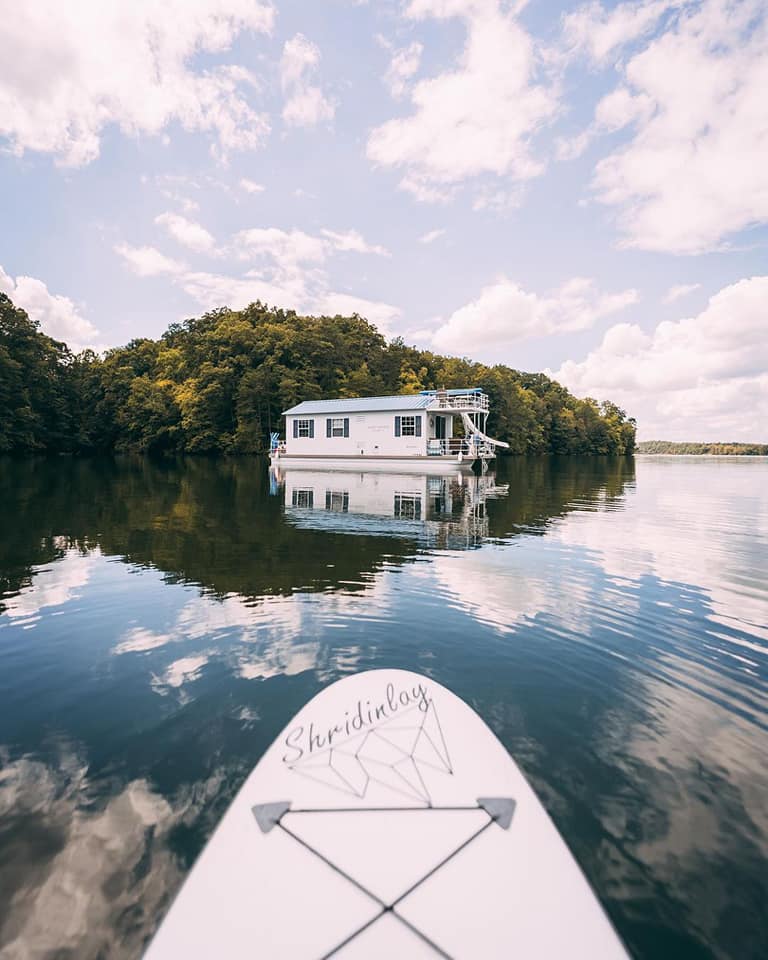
[(161, 622)]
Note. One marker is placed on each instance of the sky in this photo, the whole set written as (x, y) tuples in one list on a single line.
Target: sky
[(575, 188)]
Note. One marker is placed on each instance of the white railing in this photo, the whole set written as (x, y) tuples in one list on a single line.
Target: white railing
[(460, 445), (469, 401)]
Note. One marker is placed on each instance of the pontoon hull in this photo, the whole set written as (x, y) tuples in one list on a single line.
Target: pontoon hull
[(412, 464)]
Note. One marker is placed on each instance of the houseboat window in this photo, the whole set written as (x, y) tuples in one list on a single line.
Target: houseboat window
[(304, 428), (337, 427), (407, 506), (304, 499), (337, 501), (408, 426)]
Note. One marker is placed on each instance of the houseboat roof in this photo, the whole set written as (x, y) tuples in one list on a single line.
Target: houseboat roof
[(417, 401)]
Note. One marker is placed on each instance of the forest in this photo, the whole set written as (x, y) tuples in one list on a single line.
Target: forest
[(217, 384), (712, 449)]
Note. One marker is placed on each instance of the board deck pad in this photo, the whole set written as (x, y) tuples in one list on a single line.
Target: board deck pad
[(386, 820)]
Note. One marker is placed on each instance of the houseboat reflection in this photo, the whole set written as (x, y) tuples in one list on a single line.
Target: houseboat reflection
[(445, 512)]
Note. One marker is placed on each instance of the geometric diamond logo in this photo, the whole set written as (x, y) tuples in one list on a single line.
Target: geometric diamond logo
[(394, 754)]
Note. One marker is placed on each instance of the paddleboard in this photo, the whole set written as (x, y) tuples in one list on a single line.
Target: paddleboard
[(386, 821)]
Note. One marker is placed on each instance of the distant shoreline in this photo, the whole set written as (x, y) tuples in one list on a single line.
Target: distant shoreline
[(699, 449)]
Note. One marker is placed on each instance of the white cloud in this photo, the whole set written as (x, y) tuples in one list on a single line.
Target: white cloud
[(431, 236), (402, 67), (381, 315), (679, 291), (78, 67), (615, 111), (353, 241), (699, 378), (286, 248), (212, 290), (505, 313), (148, 261), (289, 248), (600, 32), (694, 99), (250, 186), (286, 268), (57, 315), (305, 104), (187, 232), (474, 120), (302, 291)]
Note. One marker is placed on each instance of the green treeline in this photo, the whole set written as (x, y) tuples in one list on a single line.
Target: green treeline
[(218, 384), (714, 449)]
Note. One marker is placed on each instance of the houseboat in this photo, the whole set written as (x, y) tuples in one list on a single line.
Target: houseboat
[(432, 431)]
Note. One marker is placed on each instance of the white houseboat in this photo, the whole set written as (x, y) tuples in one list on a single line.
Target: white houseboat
[(432, 431)]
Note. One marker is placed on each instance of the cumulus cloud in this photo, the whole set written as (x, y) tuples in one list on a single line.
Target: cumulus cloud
[(699, 378), (693, 102), (57, 315), (76, 68), (505, 313), (304, 291), (286, 268), (601, 32), (476, 119), (148, 261), (188, 233), (287, 248), (305, 103), (250, 186)]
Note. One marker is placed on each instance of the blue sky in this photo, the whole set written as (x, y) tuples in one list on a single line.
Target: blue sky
[(580, 188)]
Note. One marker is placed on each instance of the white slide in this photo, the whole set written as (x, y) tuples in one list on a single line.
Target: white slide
[(472, 430), (386, 821)]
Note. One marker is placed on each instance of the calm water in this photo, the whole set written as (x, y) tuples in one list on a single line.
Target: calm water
[(160, 623)]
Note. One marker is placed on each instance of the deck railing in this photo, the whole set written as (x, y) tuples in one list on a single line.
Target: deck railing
[(469, 401), (464, 445)]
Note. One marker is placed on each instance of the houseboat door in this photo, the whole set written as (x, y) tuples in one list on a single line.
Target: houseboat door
[(439, 428)]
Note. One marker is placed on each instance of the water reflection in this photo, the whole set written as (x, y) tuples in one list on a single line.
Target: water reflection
[(92, 866), (161, 622), (438, 511)]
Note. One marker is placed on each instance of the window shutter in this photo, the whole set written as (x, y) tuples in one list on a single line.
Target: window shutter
[(311, 428), (328, 430), (346, 426), (418, 426), (295, 427), (397, 426)]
